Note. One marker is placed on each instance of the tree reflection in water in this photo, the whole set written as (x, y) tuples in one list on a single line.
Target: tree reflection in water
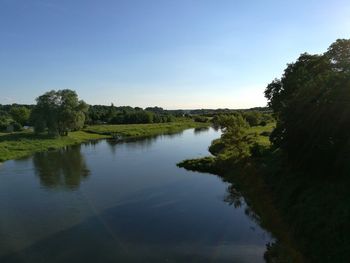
[(141, 142), (276, 250), (199, 130), (63, 168), (233, 196)]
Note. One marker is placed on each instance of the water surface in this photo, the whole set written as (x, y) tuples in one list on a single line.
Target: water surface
[(125, 202)]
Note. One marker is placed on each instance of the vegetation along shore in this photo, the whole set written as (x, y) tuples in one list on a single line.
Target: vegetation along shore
[(302, 177)]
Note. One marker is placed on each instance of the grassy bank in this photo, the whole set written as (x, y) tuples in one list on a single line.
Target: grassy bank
[(143, 130), (21, 144)]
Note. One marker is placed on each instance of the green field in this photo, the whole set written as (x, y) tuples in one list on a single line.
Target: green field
[(143, 130), (260, 131), (21, 144)]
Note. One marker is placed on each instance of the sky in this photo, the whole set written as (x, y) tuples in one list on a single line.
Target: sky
[(176, 54)]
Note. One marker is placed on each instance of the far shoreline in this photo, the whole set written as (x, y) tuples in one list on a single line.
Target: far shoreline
[(22, 144)]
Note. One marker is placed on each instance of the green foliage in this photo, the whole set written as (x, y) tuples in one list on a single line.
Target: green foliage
[(142, 130), (258, 150), (21, 144), (312, 106), (155, 109), (99, 114), (59, 112), (20, 114), (234, 138), (239, 140), (134, 117), (254, 118), (7, 124), (317, 211), (206, 164), (5, 121), (13, 117), (200, 119), (216, 147)]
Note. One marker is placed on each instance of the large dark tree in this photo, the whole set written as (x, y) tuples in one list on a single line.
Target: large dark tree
[(59, 112), (312, 105)]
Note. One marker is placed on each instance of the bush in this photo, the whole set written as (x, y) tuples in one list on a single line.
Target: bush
[(216, 147), (200, 119)]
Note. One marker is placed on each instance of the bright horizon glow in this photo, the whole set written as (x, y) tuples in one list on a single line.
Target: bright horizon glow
[(173, 54)]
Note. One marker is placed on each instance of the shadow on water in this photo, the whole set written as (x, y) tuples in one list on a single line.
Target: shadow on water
[(199, 130), (63, 168), (276, 251), (140, 142)]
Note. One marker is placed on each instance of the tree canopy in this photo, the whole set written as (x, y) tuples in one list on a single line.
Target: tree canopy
[(311, 102), (20, 114), (59, 112)]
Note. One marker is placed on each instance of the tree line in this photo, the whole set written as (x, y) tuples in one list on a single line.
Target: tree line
[(99, 114), (59, 112)]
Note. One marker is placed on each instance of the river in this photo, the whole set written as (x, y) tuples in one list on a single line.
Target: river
[(124, 202)]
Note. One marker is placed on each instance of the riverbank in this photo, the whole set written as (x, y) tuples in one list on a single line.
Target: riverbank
[(22, 144), (249, 182), (307, 214)]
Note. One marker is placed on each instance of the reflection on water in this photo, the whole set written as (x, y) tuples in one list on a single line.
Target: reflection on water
[(233, 197), (135, 205), (64, 168), (199, 130), (276, 251), (143, 143)]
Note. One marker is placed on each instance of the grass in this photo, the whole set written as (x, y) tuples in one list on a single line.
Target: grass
[(259, 134), (22, 144), (143, 130), (262, 133)]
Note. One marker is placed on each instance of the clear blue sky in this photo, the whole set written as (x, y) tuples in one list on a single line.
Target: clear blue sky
[(169, 53)]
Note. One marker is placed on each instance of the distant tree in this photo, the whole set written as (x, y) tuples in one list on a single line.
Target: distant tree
[(5, 121), (200, 119), (155, 109), (254, 118), (112, 112), (138, 117), (20, 115), (59, 112)]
